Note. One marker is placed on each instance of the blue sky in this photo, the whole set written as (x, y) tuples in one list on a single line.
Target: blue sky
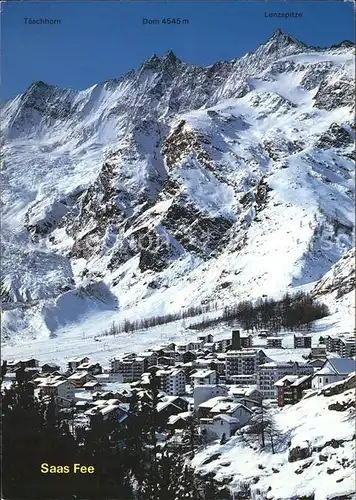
[(100, 40)]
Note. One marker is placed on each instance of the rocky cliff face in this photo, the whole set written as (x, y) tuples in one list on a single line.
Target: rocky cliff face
[(340, 279), (191, 176)]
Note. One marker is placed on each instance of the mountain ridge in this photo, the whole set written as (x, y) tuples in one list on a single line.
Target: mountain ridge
[(181, 186)]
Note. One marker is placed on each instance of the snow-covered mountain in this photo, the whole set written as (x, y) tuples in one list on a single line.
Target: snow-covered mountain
[(177, 184)]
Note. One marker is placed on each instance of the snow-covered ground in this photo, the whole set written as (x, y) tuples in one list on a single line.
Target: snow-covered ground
[(326, 471)]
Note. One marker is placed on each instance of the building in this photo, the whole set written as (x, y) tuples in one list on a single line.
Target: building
[(14, 365), (195, 345), (347, 348), (109, 409), (204, 377), (244, 393), (290, 389), (209, 346), (316, 363), (166, 361), (223, 345), (302, 341), (270, 373), (75, 362), (131, 367), (180, 421), (243, 362), (318, 352), (239, 341), (93, 368), (57, 387), (220, 413), (182, 347), (79, 379), (50, 368), (172, 381), (219, 425), (274, 342), (203, 393), (166, 409), (333, 370), (206, 339)]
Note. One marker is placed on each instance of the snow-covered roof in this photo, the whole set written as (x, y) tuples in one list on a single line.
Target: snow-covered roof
[(181, 416), (212, 402), (286, 378), (227, 418), (339, 366)]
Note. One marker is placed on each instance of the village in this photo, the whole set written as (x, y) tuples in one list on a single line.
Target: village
[(221, 383)]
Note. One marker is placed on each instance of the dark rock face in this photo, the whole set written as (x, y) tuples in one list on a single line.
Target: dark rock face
[(195, 231), (299, 453), (334, 95), (335, 137), (180, 144), (340, 279)]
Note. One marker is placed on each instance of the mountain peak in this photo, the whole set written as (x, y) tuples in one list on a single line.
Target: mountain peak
[(170, 55), (280, 44), (280, 36), (277, 34), (156, 62), (37, 85)]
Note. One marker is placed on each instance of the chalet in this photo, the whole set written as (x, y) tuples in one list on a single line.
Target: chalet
[(93, 368), (110, 411), (220, 425), (166, 409), (75, 362), (333, 370), (180, 421), (79, 379), (182, 403), (182, 347), (92, 385), (233, 409), (150, 356), (56, 388), (50, 368), (205, 407), (209, 347), (290, 389), (166, 361), (247, 392), (14, 365)]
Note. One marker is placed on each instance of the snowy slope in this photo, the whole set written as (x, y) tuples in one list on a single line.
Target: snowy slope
[(176, 184), (315, 453)]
